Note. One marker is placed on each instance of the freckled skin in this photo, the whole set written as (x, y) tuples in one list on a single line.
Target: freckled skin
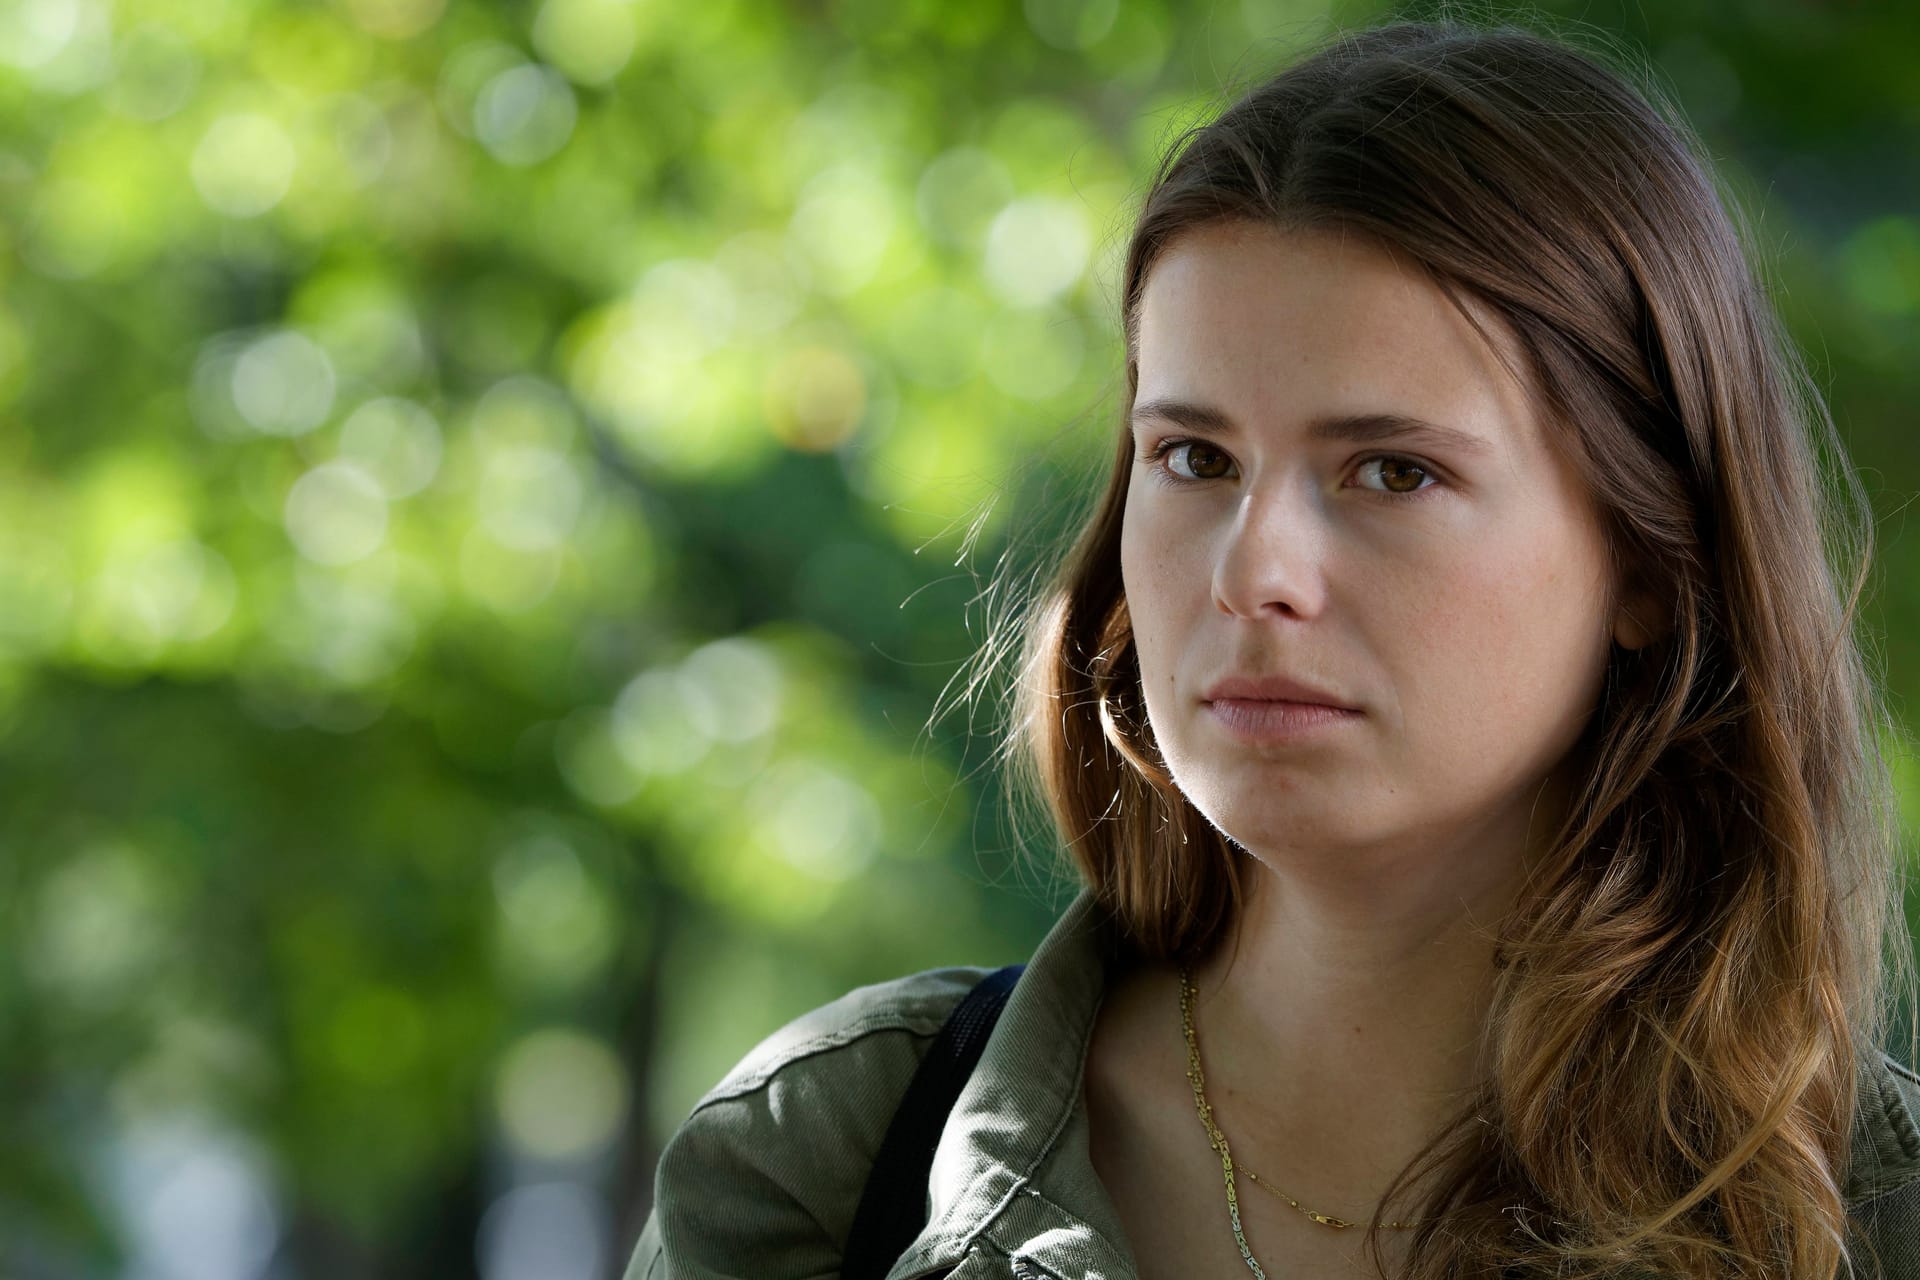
[(1341, 1010), (1470, 624)]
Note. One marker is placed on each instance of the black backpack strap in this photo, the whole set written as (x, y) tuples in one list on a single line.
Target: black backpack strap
[(893, 1207)]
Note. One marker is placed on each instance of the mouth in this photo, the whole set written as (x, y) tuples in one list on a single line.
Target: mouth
[(1254, 691), (1272, 720)]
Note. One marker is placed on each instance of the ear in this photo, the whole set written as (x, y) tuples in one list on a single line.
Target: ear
[(1640, 617)]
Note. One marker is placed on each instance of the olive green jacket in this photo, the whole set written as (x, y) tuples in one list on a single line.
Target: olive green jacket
[(762, 1180)]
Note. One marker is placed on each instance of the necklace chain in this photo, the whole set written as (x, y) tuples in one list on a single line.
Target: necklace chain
[(1218, 1140)]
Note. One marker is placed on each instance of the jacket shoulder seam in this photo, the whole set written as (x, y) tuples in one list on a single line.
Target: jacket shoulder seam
[(919, 1015), (1028, 1189), (840, 1039)]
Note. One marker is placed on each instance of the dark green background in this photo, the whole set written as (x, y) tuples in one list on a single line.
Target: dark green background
[(491, 497)]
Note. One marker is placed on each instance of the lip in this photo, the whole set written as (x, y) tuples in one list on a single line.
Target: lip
[(1279, 689), (1266, 722)]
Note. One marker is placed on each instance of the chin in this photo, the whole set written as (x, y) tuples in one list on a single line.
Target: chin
[(1261, 827)]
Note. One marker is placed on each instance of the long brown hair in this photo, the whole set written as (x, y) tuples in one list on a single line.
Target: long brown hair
[(1692, 979)]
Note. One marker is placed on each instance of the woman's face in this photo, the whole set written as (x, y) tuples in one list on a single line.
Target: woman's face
[(1448, 584)]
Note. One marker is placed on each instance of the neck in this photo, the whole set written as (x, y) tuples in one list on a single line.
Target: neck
[(1342, 1019)]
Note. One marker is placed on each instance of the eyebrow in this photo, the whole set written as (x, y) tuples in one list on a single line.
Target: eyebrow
[(1360, 428)]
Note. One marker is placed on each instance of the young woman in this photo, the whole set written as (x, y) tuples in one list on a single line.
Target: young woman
[(1454, 716)]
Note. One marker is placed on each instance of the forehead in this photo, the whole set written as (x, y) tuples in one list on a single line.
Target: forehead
[(1257, 321)]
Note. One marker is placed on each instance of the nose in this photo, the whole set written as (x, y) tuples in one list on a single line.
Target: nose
[(1272, 558)]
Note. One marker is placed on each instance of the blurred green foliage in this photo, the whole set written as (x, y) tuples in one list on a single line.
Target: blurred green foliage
[(491, 495)]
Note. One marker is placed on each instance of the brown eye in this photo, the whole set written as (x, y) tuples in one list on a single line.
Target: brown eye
[(1397, 475), (1401, 477), (1204, 462)]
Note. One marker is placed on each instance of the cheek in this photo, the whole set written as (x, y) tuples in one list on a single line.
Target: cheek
[(1138, 584), (1159, 587), (1521, 634), (1144, 571)]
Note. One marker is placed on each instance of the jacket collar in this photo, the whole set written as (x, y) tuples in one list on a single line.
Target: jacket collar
[(1886, 1144), (1019, 1130), (1019, 1120)]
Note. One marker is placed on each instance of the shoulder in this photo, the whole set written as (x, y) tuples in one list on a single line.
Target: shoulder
[(1887, 1218), (763, 1177), (837, 1038)]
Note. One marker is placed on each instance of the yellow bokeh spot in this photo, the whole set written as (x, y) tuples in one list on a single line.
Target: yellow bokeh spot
[(676, 406), (108, 198), (561, 1094), (244, 164), (814, 398), (132, 499), (940, 484), (590, 40)]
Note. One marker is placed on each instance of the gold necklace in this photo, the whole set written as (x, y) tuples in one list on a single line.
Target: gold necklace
[(1218, 1140)]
